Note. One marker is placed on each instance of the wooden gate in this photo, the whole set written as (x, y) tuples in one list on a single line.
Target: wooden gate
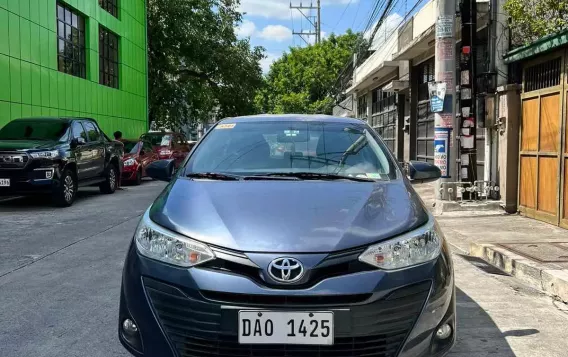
[(543, 146)]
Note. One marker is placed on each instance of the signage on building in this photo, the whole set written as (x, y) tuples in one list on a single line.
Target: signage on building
[(442, 137)]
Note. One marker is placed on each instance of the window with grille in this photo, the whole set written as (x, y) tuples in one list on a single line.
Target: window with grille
[(71, 41), (384, 114), (425, 118), (543, 75), (108, 58), (425, 74), (362, 107), (111, 6)]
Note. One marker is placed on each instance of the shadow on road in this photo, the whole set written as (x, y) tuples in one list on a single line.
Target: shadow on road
[(43, 201), (477, 333)]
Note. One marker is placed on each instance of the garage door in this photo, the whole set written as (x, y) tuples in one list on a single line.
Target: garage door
[(543, 152)]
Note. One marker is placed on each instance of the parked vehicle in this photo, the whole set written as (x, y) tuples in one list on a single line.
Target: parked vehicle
[(168, 145), (138, 155), (322, 251), (57, 156)]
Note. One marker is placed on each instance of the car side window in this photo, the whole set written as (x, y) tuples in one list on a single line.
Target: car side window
[(78, 131), (92, 132)]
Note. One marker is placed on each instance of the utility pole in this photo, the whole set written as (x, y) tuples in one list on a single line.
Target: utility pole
[(314, 21), (445, 151), (468, 92)]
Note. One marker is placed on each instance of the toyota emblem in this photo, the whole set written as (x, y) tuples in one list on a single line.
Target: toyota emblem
[(286, 270)]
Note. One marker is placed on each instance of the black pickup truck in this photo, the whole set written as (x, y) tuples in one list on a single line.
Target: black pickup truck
[(57, 156)]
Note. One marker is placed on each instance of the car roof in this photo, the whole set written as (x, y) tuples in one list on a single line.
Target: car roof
[(291, 118), (54, 119)]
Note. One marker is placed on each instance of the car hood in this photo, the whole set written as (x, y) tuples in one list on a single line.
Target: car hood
[(129, 156), (26, 144), (288, 216)]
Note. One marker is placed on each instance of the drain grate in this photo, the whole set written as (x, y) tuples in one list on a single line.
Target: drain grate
[(541, 252), (483, 265)]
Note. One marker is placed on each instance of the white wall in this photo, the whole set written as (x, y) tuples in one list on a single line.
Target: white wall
[(424, 19)]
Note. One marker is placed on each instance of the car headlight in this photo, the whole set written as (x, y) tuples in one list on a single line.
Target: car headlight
[(158, 243), (52, 154), (416, 247), (129, 162)]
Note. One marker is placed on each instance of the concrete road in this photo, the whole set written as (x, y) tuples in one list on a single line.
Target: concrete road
[(60, 278)]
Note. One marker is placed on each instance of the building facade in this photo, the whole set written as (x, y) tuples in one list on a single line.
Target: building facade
[(390, 89), (84, 58)]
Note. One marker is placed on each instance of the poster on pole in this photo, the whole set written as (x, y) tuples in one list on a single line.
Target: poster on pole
[(442, 137), (445, 26), (445, 49), (443, 120), (437, 92)]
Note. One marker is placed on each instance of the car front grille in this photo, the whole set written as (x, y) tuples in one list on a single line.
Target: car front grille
[(284, 300), (13, 160), (335, 264), (201, 328)]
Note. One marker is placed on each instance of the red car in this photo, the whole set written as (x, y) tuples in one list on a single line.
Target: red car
[(168, 145), (138, 154)]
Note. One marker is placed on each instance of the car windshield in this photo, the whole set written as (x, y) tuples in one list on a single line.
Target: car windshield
[(263, 148), (131, 146), (158, 139), (47, 130)]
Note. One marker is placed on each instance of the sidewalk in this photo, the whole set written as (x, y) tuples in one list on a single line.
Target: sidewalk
[(532, 251)]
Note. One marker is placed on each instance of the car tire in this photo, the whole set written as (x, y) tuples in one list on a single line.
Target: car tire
[(138, 180), (111, 179), (65, 193)]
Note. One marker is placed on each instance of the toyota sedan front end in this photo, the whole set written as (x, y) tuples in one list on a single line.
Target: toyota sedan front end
[(325, 250)]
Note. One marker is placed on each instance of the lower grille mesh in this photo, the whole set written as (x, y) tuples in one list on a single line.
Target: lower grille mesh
[(198, 328)]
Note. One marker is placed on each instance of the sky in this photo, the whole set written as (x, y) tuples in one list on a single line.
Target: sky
[(270, 23)]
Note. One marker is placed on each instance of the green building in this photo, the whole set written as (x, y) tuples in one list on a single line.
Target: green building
[(82, 58)]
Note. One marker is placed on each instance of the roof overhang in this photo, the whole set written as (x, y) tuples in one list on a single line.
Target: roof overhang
[(396, 86), (540, 46), (375, 76)]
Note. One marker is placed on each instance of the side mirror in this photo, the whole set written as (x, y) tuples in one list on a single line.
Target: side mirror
[(422, 172), (78, 142), (162, 170)]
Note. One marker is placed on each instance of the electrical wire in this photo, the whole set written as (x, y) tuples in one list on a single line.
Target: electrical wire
[(342, 14), (407, 15), (356, 14)]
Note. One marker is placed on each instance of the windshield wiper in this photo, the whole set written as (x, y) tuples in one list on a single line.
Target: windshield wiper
[(318, 176), (214, 176)]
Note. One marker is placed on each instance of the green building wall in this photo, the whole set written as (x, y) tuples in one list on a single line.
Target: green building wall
[(31, 85)]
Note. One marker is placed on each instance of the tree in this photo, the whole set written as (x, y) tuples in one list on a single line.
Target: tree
[(533, 19), (197, 65), (303, 80)]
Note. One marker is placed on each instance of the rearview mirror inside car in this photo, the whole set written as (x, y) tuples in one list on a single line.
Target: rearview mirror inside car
[(162, 170), (422, 172)]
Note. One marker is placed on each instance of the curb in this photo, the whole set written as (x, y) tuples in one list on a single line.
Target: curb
[(552, 282)]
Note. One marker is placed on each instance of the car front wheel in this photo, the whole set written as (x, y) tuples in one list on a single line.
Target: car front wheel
[(64, 194)]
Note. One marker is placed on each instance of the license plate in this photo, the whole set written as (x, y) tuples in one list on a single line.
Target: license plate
[(4, 182), (278, 327)]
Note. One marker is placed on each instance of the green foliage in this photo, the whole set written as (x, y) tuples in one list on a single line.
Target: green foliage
[(303, 80), (533, 19), (197, 65)]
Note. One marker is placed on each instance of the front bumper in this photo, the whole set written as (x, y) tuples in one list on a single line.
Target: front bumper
[(193, 312), (129, 173), (30, 180)]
